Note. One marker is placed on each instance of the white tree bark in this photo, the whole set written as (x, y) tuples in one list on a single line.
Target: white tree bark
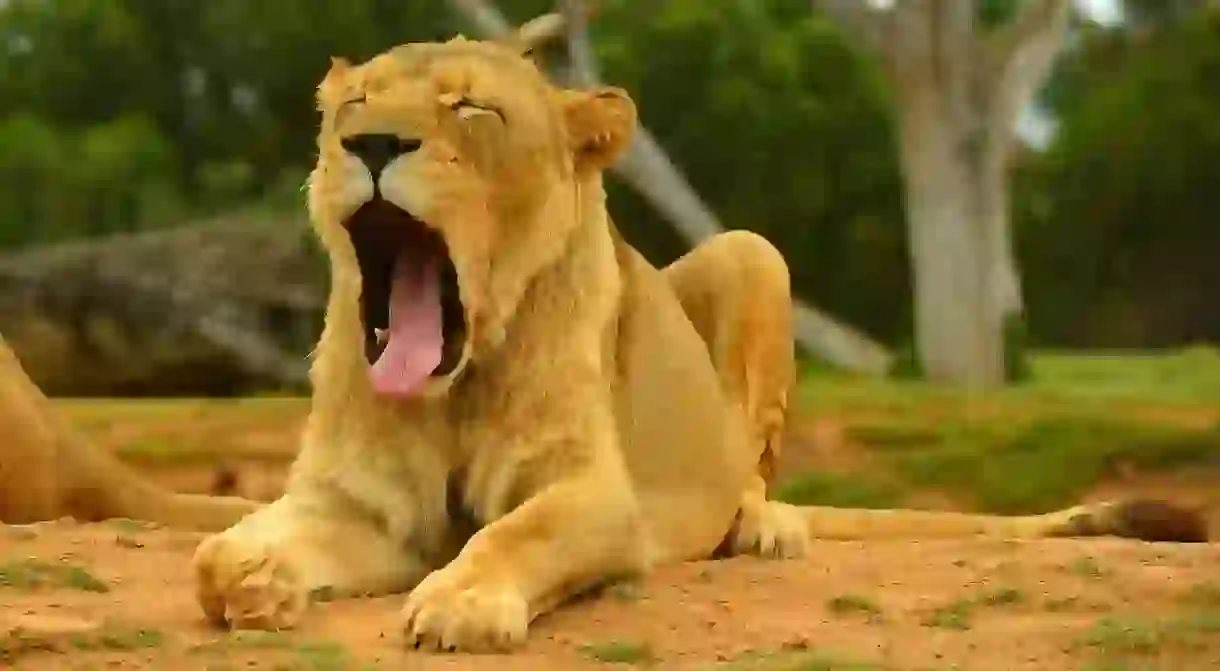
[(959, 91), (647, 169)]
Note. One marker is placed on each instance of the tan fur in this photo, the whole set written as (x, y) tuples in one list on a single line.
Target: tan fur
[(607, 417), (47, 471)]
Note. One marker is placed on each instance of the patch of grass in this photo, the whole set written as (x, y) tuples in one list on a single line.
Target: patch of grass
[(1004, 596), (119, 637), (792, 660), (30, 574), (322, 656), (824, 488), (621, 652), (1074, 604), (1189, 376), (108, 636), (246, 639), (304, 655), (1204, 594), (894, 434), (1033, 447), (1086, 566), (957, 615), (852, 604), (1117, 637), (1049, 462)]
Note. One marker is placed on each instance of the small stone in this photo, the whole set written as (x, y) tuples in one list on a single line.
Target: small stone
[(126, 541)]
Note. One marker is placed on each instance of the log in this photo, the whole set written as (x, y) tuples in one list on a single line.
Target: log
[(214, 308)]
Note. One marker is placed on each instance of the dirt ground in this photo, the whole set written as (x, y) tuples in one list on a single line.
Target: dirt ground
[(118, 595)]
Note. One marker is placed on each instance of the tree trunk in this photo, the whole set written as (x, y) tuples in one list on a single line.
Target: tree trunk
[(957, 211)]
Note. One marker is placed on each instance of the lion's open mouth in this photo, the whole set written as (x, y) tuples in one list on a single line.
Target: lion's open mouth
[(414, 322)]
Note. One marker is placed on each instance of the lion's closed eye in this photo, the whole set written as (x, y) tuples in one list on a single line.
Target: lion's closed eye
[(468, 109)]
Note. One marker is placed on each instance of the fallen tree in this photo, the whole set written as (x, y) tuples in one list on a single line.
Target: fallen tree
[(213, 308)]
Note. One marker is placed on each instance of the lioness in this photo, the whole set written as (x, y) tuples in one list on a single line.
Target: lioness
[(510, 404), (47, 470)]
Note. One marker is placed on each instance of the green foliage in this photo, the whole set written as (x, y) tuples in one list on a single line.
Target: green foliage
[(133, 113), (783, 128), (1116, 231)]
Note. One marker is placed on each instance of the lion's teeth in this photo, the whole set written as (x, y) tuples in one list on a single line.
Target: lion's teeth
[(382, 335)]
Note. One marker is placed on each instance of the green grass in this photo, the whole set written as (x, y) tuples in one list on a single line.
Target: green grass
[(1031, 447), (824, 488), (621, 652), (853, 604), (959, 614), (118, 637), (1188, 375), (303, 655), (108, 636), (1139, 636), (31, 574), (793, 660), (1003, 464), (1048, 463)]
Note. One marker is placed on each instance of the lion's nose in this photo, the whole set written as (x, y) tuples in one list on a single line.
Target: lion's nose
[(376, 150)]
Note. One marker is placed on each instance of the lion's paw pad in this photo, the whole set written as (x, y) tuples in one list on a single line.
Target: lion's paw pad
[(245, 587), (444, 616), (774, 531)]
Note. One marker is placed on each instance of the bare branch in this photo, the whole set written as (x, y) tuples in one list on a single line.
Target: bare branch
[(580, 52), (485, 17), (1023, 59), (537, 32), (1034, 18)]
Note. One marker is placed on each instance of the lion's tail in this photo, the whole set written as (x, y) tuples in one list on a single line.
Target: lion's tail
[(105, 487), (1143, 519)]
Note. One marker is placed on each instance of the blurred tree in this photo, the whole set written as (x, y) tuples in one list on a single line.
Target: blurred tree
[(961, 71), (1118, 214)]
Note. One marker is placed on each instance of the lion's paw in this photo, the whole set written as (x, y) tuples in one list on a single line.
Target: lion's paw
[(453, 611), (243, 585), (772, 530)]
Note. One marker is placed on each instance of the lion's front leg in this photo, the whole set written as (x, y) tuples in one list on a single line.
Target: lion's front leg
[(261, 573), (769, 529), (567, 538)]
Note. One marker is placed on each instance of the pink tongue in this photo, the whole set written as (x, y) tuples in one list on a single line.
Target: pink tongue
[(413, 350)]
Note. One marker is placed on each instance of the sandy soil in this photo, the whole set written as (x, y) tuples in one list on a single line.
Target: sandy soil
[(1003, 606)]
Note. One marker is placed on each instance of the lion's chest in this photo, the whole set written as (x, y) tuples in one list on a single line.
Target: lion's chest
[(406, 495)]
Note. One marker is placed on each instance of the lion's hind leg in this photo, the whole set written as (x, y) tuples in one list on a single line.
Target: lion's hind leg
[(263, 572), (735, 290)]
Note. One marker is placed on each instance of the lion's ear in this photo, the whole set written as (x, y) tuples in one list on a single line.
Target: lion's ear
[(334, 83), (600, 124)]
